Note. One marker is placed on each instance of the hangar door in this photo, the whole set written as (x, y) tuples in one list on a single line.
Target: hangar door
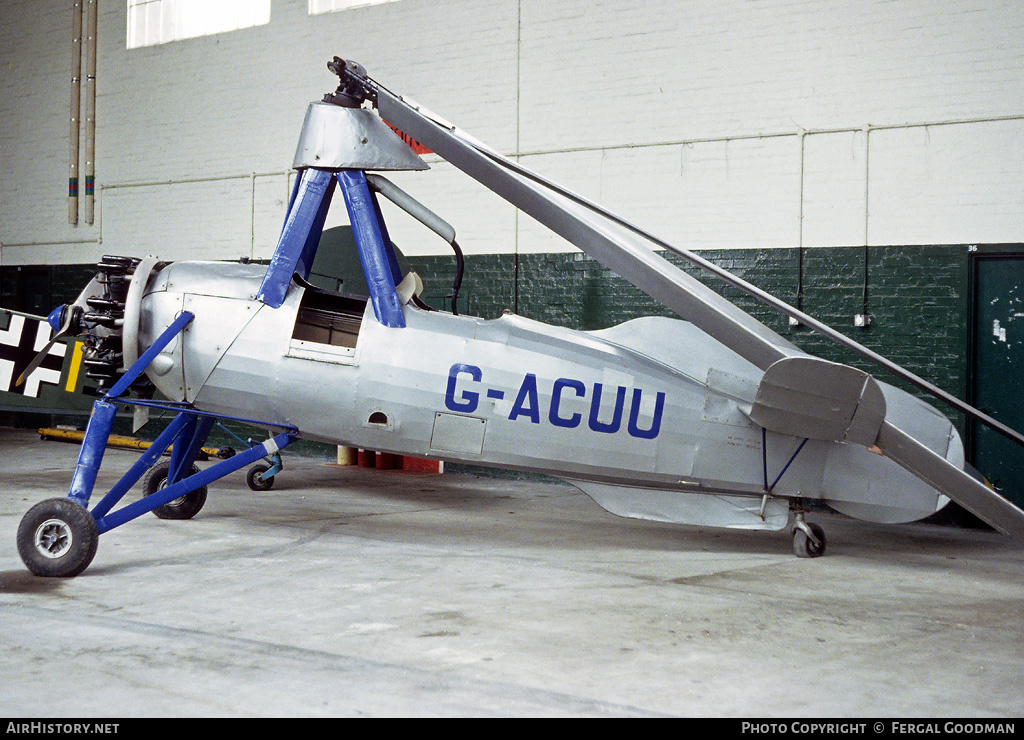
[(997, 366)]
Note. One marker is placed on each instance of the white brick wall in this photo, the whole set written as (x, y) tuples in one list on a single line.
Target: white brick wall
[(957, 184), (685, 116)]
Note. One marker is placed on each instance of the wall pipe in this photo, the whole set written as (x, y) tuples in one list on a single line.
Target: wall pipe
[(76, 103), (90, 110), (775, 135), (865, 315), (800, 231)]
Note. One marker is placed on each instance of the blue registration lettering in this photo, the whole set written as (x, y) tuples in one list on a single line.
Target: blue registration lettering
[(595, 409), (468, 400), (527, 402), (634, 414), (459, 398), (569, 422)]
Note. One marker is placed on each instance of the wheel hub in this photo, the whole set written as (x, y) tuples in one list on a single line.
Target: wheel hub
[(176, 502), (53, 538)]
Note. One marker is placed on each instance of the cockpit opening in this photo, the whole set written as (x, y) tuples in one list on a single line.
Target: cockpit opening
[(328, 317)]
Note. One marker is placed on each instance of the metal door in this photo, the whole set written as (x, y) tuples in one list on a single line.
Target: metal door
[(997, 366)]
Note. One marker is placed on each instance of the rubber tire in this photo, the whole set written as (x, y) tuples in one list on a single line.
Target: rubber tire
[(184, 507), (75, 544), (259, 483), (803, 547)]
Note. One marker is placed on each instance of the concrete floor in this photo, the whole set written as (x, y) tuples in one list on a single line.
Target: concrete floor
[(351, 592)]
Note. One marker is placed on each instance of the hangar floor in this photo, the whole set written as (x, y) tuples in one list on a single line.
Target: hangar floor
[(353, 592)]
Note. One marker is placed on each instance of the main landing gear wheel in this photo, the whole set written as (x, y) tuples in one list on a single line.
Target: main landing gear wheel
[(256, 480), (57, 537), (808, 540), (185, 506)]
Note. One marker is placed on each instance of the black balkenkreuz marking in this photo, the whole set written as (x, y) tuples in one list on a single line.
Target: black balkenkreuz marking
[(17, 348)]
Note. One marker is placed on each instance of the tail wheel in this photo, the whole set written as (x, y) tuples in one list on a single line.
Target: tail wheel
[(185, 506), (809, 545), (57, 537)]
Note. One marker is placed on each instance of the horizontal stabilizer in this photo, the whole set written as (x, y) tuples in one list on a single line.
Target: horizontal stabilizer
[(817, 399)]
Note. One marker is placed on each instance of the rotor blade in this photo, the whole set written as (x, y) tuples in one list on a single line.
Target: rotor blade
[(959, 485), (768, 299), (430, 129), (617, 250), (572, 217)]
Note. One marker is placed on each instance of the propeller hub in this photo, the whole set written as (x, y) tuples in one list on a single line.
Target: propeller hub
[(55, 318)]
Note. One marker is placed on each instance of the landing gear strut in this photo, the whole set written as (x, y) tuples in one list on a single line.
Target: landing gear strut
[(58, 537)]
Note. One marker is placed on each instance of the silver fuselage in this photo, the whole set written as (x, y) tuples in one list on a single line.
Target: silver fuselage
[(643, 432)]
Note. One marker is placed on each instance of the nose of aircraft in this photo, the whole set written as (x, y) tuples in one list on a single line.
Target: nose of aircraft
[(98, 315), (55, 319)]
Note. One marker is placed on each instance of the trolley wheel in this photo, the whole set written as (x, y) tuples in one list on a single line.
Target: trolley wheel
[(57, 537), (256, 480), (185, 506), (804, 546)]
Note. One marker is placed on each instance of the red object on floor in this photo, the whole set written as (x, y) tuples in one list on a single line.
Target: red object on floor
[(421, 465), (391, 461)]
